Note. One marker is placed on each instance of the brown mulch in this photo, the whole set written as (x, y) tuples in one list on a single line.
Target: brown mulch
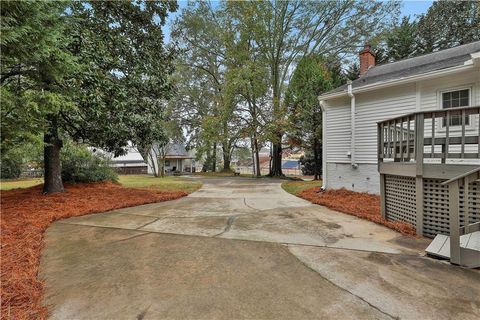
[(27, 213), (359, 204)]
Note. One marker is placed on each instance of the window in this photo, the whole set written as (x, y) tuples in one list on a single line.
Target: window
[(167, 163), (456, 99)]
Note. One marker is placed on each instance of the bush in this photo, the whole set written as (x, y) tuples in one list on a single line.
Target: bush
[(80, 165), (11, 167), (308, 164)]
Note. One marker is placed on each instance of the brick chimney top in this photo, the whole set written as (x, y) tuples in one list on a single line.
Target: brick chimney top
[(367, 59)]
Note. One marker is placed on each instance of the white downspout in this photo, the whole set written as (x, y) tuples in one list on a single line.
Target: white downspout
[(324, 145), (352, 123)]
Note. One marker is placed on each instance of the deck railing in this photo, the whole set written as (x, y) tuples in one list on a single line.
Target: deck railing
[(458, 254), (438, 135), (416, 153)]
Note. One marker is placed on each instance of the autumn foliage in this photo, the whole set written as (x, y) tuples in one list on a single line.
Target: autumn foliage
[(27, 213), (359, 204)]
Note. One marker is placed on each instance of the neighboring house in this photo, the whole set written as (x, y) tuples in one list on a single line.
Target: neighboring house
[(441, 80), (176, 159), (130, 163)]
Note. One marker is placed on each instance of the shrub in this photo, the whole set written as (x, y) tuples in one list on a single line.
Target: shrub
[(80, 165), (308, 164), (11, 167)]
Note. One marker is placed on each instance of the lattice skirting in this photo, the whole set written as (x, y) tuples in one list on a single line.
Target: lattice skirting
[(400, 203), (435, 208)]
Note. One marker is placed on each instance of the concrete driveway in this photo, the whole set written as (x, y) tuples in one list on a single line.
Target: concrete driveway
[(244, 249)]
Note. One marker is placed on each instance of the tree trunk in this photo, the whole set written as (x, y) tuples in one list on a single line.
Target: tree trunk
[(226, 163), (276, 170), (254, 163), (164, 160), (208, 160), (256, 157), (51, 153), (226, 157), (316, 175), (214, 157)]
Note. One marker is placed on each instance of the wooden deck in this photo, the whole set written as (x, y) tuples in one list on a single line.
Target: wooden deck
[(429, 165), (416, 154)]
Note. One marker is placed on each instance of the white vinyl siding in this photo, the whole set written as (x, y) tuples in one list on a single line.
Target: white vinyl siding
[(430, 90), (338, 131), (377, 106)]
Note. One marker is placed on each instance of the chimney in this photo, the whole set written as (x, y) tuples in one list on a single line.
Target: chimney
[(367, 59)]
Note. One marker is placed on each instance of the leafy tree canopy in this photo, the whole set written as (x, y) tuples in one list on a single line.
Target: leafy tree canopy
[(95, 71)]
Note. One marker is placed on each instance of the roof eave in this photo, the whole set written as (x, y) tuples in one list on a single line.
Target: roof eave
[(393, 82)]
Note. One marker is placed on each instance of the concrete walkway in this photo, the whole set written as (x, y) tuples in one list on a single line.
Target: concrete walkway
[(244, 249)]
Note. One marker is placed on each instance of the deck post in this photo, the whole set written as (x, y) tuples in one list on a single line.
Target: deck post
[(380, 152), (466, 205), (383, 196), (419, 141), (454, 208)]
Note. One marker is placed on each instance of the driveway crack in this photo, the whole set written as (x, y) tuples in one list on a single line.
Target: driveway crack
[(228, 226), (344, 289), (245, 202), (146, 224), (133, 237)]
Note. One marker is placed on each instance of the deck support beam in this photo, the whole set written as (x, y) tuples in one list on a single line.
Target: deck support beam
[(454, 208), (419, 146)]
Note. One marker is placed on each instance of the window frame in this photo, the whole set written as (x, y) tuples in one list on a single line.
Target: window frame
[(440, 104)]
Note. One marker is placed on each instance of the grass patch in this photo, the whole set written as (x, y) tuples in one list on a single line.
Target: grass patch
[(163, 184), (295, 187), (221, 174), (20, 183)]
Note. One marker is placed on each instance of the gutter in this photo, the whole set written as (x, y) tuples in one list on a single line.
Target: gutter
[(352, 123), (324, 145), (388, 83)]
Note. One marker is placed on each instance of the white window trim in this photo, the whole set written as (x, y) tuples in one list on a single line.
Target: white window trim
[(440, 92)]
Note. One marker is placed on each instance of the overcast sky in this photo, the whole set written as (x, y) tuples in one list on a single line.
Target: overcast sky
[(409, 8)]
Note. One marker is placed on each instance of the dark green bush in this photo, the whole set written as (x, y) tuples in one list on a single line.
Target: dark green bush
[(80, 165), (11, 167)]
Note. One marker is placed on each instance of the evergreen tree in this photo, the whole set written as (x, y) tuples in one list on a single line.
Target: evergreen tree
[(310, 79), (93, 71), (401, 41), (448, 24), (353, 71)]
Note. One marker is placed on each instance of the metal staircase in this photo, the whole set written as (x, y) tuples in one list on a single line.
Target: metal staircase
[(462, 247)]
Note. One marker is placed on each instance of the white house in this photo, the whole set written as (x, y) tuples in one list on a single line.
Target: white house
[(440, 80), (177, 159), (130, 163)]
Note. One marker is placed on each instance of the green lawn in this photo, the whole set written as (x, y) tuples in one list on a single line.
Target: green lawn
[(295, 187), (221, 174), (164, 184), (19, 183), (133, 181)]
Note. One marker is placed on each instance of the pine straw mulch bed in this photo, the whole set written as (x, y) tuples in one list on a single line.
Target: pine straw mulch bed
[(27, 213), (359, 204)]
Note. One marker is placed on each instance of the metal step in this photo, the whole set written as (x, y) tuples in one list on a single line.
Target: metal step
[(469, 248)]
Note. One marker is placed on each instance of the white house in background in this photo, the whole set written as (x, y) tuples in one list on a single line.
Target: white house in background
[(130, 163), (176, 159), (444, 79)]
